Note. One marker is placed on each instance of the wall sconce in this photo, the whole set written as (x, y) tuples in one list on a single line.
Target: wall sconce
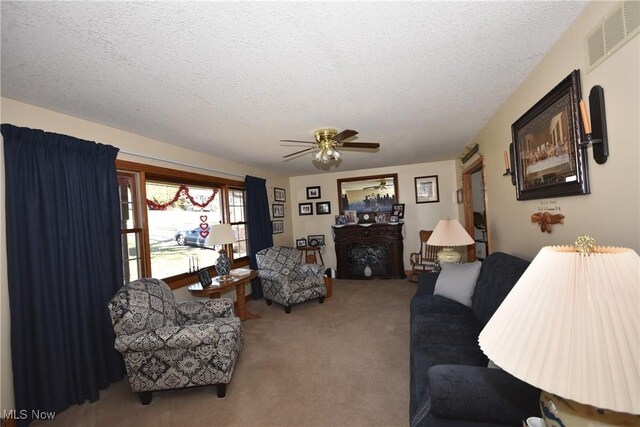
[(595, 132)]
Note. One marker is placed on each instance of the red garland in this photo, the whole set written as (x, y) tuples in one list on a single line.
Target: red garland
[(163, 206)]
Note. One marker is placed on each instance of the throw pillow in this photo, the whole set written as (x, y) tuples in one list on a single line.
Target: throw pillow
[(458, 281)]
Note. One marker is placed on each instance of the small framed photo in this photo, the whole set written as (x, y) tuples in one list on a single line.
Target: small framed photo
[(205, 278), (323, 208), (382, 217), (316, 239), (300, 243), (305, 208), (459, 196), (278, 210), (393, 219), (427, 189), (397, 209), (313, 192), (277, 226), (279, 194), (352, 216), (341, 219)]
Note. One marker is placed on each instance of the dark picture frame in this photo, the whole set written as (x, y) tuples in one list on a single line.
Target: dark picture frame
[(427, 189), (305, 209), (397, 210), (547, 159), (278, 210), (279, 194), (313, 192), (277, 226), (323, 208), (315, 239), (301, 243), (204, 277)]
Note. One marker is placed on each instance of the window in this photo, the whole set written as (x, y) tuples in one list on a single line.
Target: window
[(166, 222), (130, 231)]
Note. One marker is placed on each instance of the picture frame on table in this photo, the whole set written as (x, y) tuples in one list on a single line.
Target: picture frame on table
[(313, 192), (547, 157), (352, 216), (427, 190), (278, 210), (279, 194), (383, 217), (277, 226), (300, 243), (204, 277), (341, 219), (397, 209), (323, 208), (315, 239), (305, 209)]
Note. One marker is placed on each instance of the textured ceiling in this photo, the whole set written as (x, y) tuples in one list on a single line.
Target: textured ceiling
[(233, 78)]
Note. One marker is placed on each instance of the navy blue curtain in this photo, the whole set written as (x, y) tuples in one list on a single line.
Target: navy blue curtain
[(64, 265), (260, 235)]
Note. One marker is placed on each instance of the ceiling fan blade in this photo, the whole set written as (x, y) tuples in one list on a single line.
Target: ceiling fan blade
[(361, 145), (295, 140), (297, 152), (345, 134)]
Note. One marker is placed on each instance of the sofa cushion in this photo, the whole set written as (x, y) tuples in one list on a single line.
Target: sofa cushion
[(457, 281), (498, 275)]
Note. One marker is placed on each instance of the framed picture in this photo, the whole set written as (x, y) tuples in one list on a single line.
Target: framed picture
[(278, 210), (341, 219), (279, 194), (313, 192), (547, 159), (305, 208), (316, 239), (277, 226), (459, 195), (427, 189), (352, 216), (323, 208), (398, 210), (301, 243), (393, 219), (382, 217), (204, 277)]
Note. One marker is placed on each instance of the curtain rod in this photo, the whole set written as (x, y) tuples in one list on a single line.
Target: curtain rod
[(181, 164)]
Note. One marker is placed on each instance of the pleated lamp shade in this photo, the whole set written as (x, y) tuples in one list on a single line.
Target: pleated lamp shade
[(571, 327), (449, 232)]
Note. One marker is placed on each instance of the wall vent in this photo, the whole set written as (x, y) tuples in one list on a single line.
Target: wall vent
[(618, 27)]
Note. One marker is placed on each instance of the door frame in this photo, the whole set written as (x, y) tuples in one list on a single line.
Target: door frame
[(477, 165)]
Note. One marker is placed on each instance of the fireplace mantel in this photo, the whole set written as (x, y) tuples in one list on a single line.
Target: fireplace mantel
[(377, 245)]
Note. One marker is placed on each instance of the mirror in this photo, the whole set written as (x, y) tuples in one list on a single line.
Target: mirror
[(375, 193)]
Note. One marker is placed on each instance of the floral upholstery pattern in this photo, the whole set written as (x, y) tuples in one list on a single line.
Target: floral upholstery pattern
[(172, 345), (286, 280)]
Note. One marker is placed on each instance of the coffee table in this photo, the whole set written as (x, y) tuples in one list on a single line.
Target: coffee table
[(239, 278)]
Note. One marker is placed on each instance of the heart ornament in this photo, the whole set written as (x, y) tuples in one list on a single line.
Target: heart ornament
[(203, 218), (204, 233)]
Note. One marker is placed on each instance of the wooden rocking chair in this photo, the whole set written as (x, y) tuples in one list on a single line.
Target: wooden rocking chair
[(425, 259)]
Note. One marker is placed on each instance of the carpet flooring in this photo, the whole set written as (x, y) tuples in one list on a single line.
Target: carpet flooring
[(341, 363)]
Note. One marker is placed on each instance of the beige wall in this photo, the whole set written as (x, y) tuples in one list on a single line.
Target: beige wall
[(611, 213), (21, 114), (417, 216)]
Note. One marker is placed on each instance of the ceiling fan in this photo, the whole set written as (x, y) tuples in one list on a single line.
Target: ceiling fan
[(381, 186), (327, 143)]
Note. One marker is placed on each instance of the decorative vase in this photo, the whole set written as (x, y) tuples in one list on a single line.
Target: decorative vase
[(367, 271), (223, 264)]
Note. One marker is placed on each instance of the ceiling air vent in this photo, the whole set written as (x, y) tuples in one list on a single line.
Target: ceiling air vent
[(617, 28)]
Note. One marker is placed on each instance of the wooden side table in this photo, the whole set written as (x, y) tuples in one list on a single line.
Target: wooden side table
[(239, 278), (308, 254)]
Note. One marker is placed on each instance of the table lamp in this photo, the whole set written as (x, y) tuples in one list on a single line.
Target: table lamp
[(221, 234), (571, 327), (449, 233)]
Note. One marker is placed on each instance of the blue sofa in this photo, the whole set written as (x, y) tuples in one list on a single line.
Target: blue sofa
[(451, 384)]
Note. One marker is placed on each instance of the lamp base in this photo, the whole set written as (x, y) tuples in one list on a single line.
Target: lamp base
[(448, 255), (223, 264), (558, 412)]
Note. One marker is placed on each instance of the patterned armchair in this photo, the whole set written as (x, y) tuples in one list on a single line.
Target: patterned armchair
[(286, 280), (168, 345)]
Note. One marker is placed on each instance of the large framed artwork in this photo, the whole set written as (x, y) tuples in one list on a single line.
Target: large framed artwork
[(547, 159), (373, 193)]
